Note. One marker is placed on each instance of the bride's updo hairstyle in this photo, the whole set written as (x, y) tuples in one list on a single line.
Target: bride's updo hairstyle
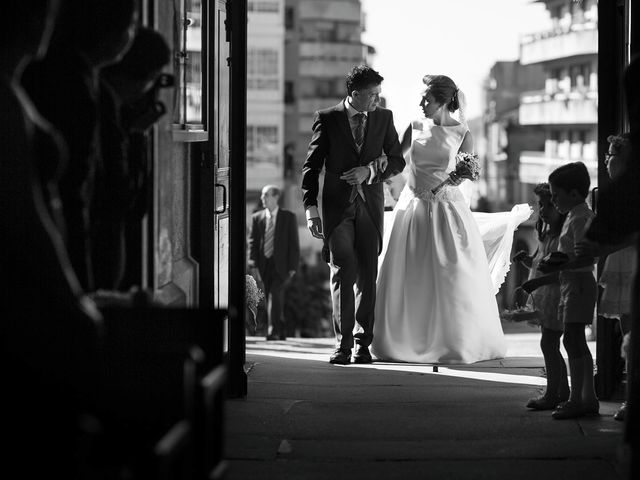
[(443, 89)]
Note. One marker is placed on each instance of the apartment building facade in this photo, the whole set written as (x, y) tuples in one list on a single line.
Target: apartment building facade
[(506, 138), (265, 97), (322, 43), (566, 105)]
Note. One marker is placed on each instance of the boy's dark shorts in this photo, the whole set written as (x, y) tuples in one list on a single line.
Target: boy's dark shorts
[(578, 293)]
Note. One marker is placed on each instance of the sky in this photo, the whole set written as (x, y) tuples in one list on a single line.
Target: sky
[(458, 38)]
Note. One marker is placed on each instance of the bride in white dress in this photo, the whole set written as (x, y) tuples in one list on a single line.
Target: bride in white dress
[(441, 265)]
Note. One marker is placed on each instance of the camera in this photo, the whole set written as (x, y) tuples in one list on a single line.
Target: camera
[(146, 111)]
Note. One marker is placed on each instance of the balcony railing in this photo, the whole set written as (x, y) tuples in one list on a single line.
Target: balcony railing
[(573, 107), (330, 50), (319, 68), (330, 11), (535, 167), (578, 39)]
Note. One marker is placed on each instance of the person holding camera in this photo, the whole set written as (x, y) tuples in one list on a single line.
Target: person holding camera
[(129, 106)]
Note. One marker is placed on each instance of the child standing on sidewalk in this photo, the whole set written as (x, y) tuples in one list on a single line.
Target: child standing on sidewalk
[(545, 301), (578, 290)]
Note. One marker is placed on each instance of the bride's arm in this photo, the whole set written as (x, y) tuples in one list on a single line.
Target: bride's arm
[(405, 144), (467, 143)]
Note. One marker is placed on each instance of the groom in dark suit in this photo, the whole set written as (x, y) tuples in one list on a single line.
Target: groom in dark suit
[(357, 144)]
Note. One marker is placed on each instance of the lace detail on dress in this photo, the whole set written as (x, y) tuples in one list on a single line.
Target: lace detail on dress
[(447, 194)]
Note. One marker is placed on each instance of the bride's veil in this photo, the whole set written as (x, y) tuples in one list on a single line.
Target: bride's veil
[(462, 102)]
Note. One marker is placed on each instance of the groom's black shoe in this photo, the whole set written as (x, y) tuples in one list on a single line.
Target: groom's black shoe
[(340, 358), (362, 355)]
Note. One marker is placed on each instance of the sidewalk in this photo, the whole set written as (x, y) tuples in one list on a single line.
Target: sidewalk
[(306, 419)]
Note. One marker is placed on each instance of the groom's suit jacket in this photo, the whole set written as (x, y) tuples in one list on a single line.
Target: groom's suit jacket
[(332, 146)]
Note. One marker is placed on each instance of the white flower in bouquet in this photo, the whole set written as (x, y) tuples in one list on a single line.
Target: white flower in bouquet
[(254, 295), (467, 167)]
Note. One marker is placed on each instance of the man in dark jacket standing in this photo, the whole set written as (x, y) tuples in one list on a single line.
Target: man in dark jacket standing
[(274, 250), (357, 145)]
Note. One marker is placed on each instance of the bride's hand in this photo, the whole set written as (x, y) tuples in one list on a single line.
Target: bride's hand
[(355, 176), (456, 180), (381, 163)]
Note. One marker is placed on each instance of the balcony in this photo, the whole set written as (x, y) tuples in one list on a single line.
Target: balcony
[(339, 11), (329, 59), (263, 171), (578, 39), (535, 167), (330, 50), (562, 108), (308, 106)]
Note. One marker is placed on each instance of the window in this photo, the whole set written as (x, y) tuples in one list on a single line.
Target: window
[(190, 113), (289, 18), (262, 69), (262, 144), (577, 11), (580, 75), (289, 92), (323, 88), (554, 140), (586, 74), (266, 7), (326, 32)]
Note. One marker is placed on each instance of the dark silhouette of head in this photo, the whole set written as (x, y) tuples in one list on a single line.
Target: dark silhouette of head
[(139, 68), (572, 176)]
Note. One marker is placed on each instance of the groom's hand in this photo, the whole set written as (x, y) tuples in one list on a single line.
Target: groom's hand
[(356, 176), (315, 227)]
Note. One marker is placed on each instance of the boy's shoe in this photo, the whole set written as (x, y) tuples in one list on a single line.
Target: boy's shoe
[(543, 403), (621, 414)]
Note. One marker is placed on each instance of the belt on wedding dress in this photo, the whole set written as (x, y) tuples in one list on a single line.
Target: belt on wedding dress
[(447, 193)]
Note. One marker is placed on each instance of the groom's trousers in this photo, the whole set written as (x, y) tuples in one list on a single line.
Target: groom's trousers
[(353, 249)]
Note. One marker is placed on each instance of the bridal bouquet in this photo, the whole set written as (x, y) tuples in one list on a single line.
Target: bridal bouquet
[(467, 166), (254, 295)]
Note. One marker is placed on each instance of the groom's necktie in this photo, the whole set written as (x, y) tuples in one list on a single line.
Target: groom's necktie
[(358, 137), (358, 134)]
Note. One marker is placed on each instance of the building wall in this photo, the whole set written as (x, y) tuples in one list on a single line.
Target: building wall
[(541, 112), (505, 136), (566, 105), (265, 97), (323, 42)]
